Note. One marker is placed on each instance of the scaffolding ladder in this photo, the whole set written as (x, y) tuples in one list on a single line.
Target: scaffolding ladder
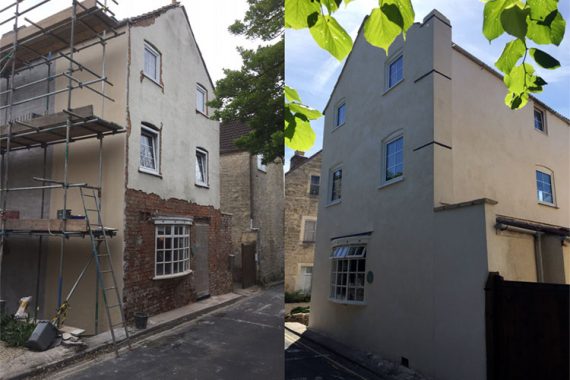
[(101, 253)]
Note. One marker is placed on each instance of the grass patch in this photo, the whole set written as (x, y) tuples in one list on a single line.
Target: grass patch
[(301, 309), (297, 297), (15, 332)]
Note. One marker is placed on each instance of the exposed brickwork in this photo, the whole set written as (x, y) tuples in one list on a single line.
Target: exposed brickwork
[(141, 292), (298, 204)]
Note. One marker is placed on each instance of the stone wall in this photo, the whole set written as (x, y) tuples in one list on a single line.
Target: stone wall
[(141, 292), (298, 204)]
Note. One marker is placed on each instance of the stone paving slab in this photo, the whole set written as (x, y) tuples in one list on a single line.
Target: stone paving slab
[(381, 367), (29, 363)]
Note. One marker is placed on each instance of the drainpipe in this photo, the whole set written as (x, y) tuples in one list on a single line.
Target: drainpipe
[(538, 256)]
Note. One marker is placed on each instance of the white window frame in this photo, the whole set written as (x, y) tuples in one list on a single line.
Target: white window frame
[(543, 114), (550, 173), (311, 184), (182, 265), (260, 165), (384, 150), (158, 63), (156, 145), (206, 156), (203, 91), (347, 253), (304, 221), (333, 170), (337, 122), (389, 63)]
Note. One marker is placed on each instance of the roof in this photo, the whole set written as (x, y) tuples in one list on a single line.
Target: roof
[(229, 133), (304, 162)]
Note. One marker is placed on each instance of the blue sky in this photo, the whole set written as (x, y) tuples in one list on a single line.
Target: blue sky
[(313, 72)]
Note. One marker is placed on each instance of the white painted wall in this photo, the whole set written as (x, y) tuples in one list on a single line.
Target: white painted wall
[(172, 108)]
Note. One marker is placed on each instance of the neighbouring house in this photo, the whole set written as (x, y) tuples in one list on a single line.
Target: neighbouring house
[(160, 169), (429, 183), (302, 187), (252, 193)]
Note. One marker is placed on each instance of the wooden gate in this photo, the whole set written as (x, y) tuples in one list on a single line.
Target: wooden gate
[(528, 335), (248, 267)]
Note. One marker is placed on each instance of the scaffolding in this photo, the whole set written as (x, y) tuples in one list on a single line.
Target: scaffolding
[(59, 37)]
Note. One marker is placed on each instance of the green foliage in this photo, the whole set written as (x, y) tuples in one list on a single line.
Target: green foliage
[(297, 297), (329, 35), (537, 21), (301, 310), (298, 132), (15, 332), (254, 94)]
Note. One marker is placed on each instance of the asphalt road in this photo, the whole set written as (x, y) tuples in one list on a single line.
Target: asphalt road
[(305, 360), (243, 341)]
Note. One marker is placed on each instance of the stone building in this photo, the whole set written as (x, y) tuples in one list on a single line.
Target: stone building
[(430, 185), (160, 173), (302, 186), (252, 192)]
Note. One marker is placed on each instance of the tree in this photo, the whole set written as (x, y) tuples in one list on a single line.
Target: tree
[(254, 94), (538, 21)]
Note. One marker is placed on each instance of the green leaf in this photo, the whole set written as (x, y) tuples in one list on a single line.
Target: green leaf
[(297, 12), (513, 20), (516, 101), (406, 11), (332, 37), (331, 5), (310, 113), (544, 59), (540, 9), (298, 132), (517, 80), (379, 30), (492, 27), (513, 51), (291, 94), (549, 31)]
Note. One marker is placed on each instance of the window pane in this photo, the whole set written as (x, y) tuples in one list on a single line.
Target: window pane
[(201, 167), (336, 185), (394, 158), (147, 152), (341, 111), (150, 63), (538, 120), (315, 182), (396, 73), (201, 100)]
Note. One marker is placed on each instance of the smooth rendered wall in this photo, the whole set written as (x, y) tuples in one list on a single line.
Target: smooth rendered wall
[(84, 167), (171, 107), (408, 251), (496, 152)]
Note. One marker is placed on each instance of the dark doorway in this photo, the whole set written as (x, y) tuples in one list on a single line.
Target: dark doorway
[(248, 267)]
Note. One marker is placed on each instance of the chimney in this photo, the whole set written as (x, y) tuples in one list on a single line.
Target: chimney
[(297, 159)]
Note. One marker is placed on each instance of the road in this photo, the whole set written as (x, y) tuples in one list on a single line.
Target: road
[(243, 341), (305, 360)]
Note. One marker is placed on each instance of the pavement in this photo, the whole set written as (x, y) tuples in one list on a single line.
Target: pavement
[(28, 363), (241, 341), (313, 356)]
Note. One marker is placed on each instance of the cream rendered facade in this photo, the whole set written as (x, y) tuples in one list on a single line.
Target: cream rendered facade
[(430, 234), (170, 106)]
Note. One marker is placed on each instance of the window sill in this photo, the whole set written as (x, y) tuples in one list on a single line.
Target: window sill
[(391, 182), (306, 243), (169, 276), (552, 205), (542, 132), (150, 172), (261, 170), (202, 185), (343, 302), (394, 86), (203, 114), (334, 202), (144, 75), (336, 127)]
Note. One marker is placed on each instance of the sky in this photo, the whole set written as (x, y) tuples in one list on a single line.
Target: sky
[(209, 20), (313, 72)]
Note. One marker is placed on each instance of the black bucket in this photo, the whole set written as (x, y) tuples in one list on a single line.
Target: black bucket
[(141, 320)]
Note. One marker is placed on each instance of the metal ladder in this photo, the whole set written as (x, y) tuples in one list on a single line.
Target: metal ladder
[(103, 261)]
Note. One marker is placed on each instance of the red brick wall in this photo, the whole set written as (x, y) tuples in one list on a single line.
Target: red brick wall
[(140, 291)]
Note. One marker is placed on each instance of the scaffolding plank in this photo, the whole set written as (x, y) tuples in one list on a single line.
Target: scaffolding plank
[(45, 225), (54, 32), (51, 129)]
